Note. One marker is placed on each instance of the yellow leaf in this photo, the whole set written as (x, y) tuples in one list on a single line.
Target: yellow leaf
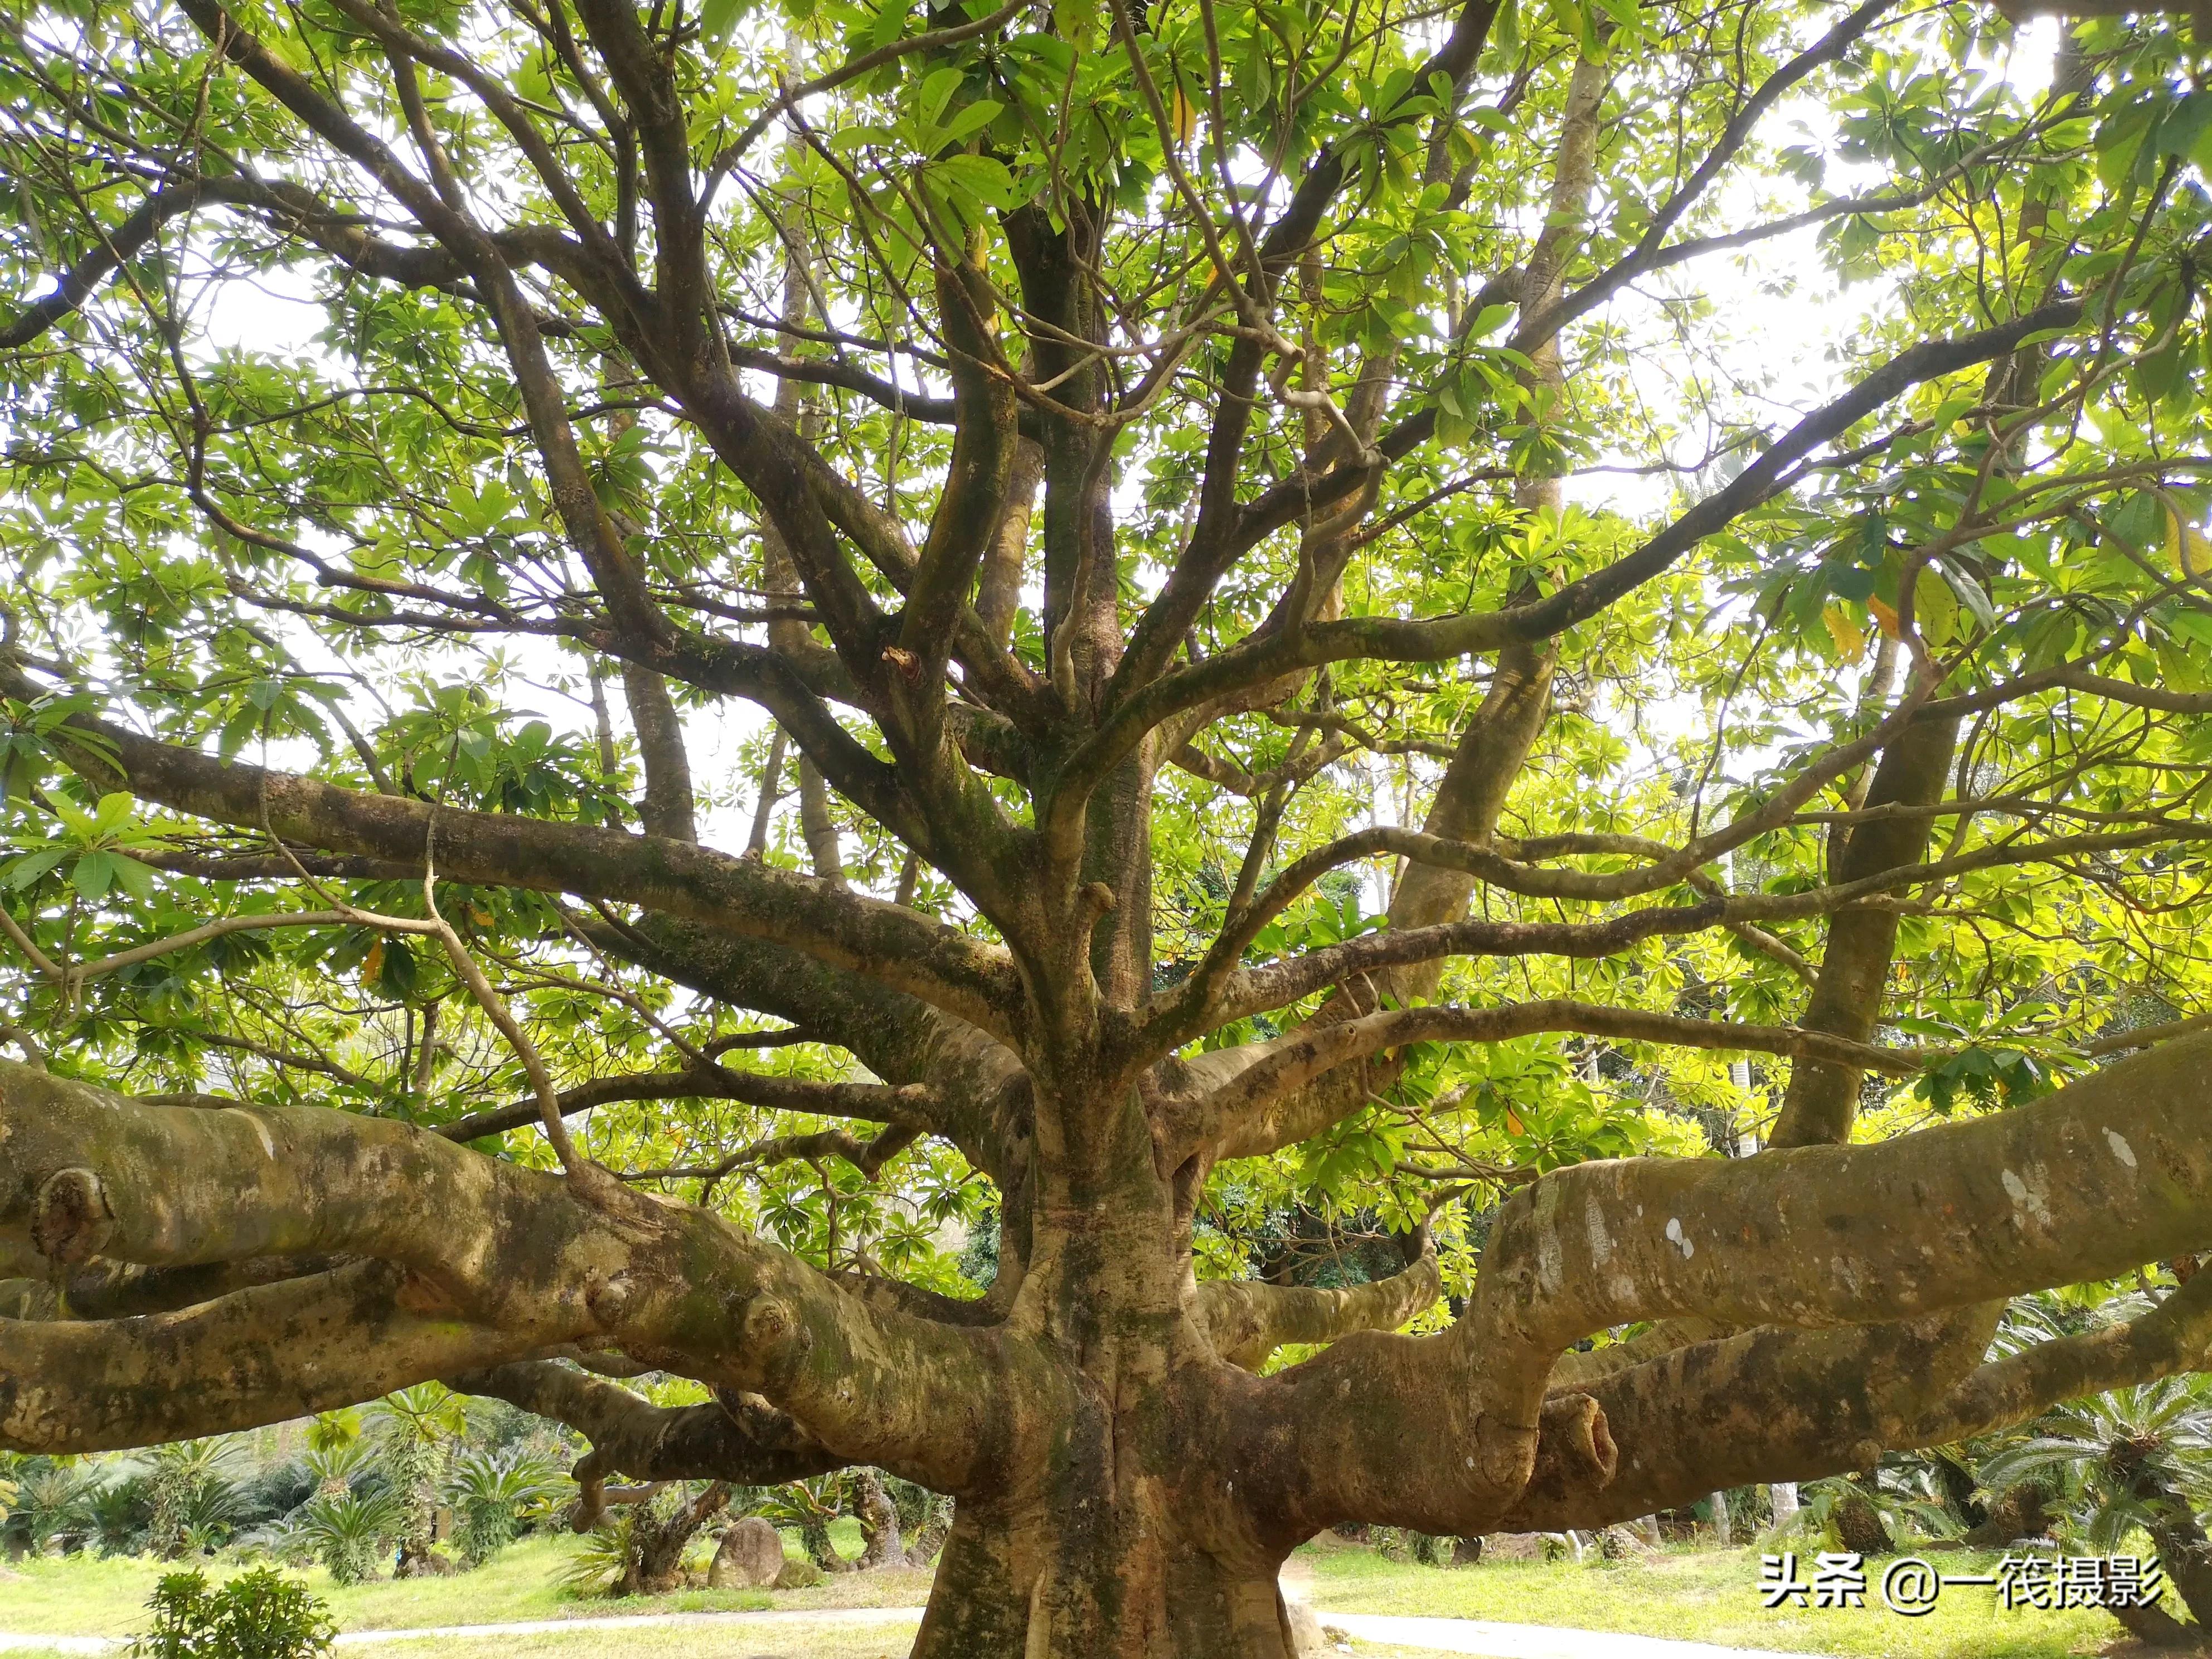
[(2185, 546), (1934, 608), (373, 963), (1184, 118), (1850, 637), (1885, 617)]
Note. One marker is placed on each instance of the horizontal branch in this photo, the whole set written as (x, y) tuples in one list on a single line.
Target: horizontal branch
[(735, 1437), (1248, 1319), (867, 1157), (492, 1246), (267, 1354), (941, 965), (1784, 1405), (1279, 984), (2087, 1183), (912, 1105), (1244, 1116)]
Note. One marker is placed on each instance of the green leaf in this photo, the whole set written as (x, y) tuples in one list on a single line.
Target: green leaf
[(134, 878), (28, 869), (936, 92), (94, 874), (965, 121)]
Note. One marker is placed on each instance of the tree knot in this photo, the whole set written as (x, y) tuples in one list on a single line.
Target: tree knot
[(70, 1216)]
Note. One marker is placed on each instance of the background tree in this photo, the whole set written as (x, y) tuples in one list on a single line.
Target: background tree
[(417, 1426), (1218, 624)]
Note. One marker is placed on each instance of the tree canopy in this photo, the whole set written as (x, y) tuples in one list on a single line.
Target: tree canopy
[(1197, 770)]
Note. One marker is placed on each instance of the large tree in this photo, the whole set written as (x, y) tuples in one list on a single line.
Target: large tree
[(1363, 600)]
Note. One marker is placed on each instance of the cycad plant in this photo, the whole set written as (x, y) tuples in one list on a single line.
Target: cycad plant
[(348, 1532), (120, 1514), (492, 1494), (53, 1506), (2139, 1458), (210, 1514), (335, 1465), (1868, 1516)]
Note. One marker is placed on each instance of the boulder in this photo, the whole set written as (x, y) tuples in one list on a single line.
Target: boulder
[(750, 1556), (1513, 1547), (799, 1575), (1307, 1641), (1619, 1544), (422, 1563)]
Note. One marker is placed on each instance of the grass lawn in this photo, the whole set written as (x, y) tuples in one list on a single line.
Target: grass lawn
[(1708, 1595), (84, 1596)]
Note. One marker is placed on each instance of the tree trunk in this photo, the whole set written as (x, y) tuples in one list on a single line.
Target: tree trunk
[(2154, 1627), (2018, 1513), (2186, 1554), (929, 1537), (1033, 1589), (655, 1562), (879, 1523), (814, 1538), (1858, 1524)]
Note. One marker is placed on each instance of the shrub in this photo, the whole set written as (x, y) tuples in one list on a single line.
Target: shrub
[(257, 1615)]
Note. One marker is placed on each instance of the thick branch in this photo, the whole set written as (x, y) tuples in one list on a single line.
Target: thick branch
[(940, 965), (1248, 1319), (262, 1355), (736, 1437)]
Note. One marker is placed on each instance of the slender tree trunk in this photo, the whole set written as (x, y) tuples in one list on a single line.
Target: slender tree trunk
[(655, 1564), (2186, 1554), (929, 1537), (879, 1523)]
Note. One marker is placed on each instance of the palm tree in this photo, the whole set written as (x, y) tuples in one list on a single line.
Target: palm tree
[(415, 1427), (2138, 1457)]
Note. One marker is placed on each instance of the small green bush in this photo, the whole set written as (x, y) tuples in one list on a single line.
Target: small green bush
[(257, 1615)]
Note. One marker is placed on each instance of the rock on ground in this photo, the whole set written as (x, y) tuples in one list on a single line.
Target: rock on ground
[(750, 1556)]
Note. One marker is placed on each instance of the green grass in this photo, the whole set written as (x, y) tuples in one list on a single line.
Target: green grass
[(779, 1640), (1704, 1596), (84, 1596)]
